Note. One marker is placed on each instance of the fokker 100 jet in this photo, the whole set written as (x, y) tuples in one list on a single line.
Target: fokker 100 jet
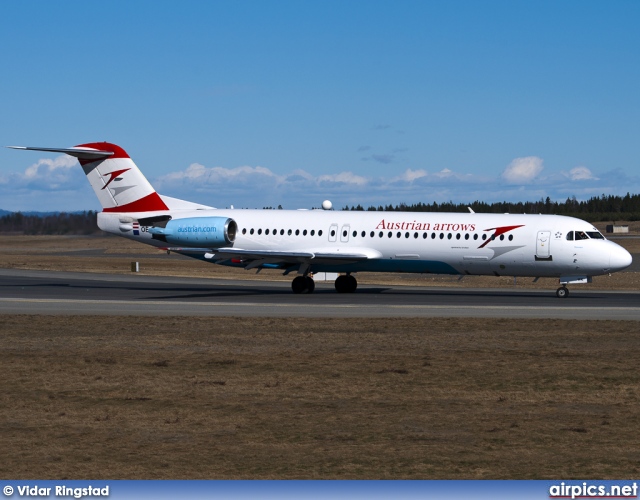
[(345, 242)]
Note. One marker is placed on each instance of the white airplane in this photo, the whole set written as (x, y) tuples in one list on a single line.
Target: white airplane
[(345, 242)]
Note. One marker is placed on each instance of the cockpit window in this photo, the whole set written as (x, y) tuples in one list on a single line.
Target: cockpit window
[(570, 235), (581, 235), (595, 235)]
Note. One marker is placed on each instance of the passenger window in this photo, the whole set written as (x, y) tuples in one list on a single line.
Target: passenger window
[(511, 237), (458, 236), (433, 236), (415, 235), (390, 234), (372, 234), (281, 232), (363, 234), (475, 236), (297, 232), (289, 232), (251, 232), (466, 236), (320, 232), (449, 236), (313, 232), (380, 234), (333, 232), (266, 231), (259, 231), (355, 233), (424, 236), (244, 230), (484, 236), (502, 237), (304, 233), (442, 236)]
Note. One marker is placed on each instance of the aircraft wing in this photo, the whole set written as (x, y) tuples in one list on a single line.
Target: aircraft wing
[(256, 258)]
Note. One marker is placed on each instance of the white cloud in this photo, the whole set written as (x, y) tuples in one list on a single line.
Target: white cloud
[(60, 184), (48, 184), (58, 174), (216, 175), (410, 175), (523, 170), (581, 174), (343, 178)]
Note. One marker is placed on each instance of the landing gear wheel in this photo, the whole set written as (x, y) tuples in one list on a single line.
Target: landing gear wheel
[(562, 292), (303, 284), (311, 285), (352, 284), (346, 284)]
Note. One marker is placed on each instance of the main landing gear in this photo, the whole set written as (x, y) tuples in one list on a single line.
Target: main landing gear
[(305, 284), (562, 292), (346, 284)]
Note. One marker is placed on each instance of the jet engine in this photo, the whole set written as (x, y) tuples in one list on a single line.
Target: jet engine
[(196, 231)]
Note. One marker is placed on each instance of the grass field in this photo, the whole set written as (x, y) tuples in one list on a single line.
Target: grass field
[(98, 397)]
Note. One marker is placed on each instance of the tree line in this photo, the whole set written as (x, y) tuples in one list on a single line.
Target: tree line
[(595, 209), (51, 223)]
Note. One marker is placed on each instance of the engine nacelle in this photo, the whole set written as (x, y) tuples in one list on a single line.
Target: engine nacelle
[(197, 231)]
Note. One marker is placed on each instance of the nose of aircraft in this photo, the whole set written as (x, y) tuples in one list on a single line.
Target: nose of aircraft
[(619, 258)]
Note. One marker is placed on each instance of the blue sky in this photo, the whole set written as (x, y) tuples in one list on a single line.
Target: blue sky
[(260, 103)]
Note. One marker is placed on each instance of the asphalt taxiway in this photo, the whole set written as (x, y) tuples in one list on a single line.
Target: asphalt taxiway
[(49, 292)]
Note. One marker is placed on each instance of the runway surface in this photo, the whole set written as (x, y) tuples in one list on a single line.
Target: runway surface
[(47, 292)]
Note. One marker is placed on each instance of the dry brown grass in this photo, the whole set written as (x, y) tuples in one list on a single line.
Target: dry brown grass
[(105, 397)]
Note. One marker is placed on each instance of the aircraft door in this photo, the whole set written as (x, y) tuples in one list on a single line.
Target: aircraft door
[(344, 233), (333, 232), (543, 250)]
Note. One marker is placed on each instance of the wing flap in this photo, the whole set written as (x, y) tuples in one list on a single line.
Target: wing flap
[(275, 256)]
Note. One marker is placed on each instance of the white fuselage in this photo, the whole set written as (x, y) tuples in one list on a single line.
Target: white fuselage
[(440, 243)]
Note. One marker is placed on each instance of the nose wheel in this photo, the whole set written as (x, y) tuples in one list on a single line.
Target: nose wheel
[(562, 292)]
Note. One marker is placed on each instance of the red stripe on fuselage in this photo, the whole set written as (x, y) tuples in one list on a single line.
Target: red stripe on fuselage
[(498, 232), (149, 203)]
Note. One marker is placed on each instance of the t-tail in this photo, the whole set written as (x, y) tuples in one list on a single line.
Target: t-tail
[(118, 183)]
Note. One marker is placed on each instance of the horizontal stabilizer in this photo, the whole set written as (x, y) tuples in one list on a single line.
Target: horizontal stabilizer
[(80, 153)]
